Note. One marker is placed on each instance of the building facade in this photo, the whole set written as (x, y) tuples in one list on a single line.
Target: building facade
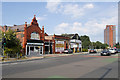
[(35, 41), (59, 42), (75, 43), (110, 35)]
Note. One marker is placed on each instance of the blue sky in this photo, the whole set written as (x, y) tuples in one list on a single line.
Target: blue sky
[(84, 18)]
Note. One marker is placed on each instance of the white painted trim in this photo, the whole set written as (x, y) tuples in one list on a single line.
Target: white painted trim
[(26, 49)]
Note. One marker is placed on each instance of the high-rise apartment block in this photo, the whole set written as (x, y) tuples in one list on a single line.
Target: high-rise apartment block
[(110, 35)]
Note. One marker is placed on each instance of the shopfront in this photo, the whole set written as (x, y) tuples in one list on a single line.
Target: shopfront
[(48, 47), (60, 43), (34, 47), (59, 46), (75, 45)]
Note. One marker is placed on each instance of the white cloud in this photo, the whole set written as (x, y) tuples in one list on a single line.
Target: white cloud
[(74, 10), (53, 6), (93, 28), (89, 6), (61, 28)]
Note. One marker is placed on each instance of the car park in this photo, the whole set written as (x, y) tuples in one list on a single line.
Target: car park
[(67, 51), (105, 53), (92, 51)]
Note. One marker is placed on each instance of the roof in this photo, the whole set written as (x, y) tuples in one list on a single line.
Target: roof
[(72, 36), (16, 27), (19, 27)]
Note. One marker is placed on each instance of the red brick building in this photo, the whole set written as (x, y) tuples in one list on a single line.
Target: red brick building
[(110, 35), (35, 41), (59, 43)]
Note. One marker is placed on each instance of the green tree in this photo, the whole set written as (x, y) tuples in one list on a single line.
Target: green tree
[(117, 45), (99, 45), (85, 41), (104, 46), (13, 44)]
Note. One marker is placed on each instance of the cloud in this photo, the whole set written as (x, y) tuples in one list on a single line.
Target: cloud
[(53, 6), (61, 28), (89, 6), (74, 10), (93, 28)]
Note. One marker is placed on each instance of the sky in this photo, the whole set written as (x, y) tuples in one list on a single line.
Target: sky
[(84, 18)]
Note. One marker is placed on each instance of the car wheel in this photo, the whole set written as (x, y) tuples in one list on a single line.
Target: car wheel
[(109, 54)]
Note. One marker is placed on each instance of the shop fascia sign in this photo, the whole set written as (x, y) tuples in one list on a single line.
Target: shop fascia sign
[(75, 41), (34, 43)]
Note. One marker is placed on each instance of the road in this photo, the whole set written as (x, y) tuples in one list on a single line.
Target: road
[(75, 66)]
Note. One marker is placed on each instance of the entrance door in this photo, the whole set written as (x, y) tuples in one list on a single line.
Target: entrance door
[(41, 50), (50, 48)]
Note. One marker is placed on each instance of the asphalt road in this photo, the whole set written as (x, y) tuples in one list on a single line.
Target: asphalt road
[(76, 66)]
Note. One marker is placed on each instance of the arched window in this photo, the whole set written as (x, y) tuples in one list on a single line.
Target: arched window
[(35, 35)]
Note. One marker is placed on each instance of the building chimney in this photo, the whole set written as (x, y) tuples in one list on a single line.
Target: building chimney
[(25, 37)]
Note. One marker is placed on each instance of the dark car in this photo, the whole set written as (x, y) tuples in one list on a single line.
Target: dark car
[(118, 50), (67, 51), (92, 51), (105, 53)]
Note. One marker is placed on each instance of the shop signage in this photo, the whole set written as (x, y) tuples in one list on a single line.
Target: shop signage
[(75, 41), (59, 47), (34, 43)]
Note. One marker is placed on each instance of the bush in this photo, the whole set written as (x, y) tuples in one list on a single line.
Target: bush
[(84, 50)]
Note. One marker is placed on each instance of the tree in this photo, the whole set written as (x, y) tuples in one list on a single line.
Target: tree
[(85, 41), (104, 46), (117, 45), (99, 45), (13, 44)]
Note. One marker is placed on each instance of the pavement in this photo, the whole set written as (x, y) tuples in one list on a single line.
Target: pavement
[(12, 60)]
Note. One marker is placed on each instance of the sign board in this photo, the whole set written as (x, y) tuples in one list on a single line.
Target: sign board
[(59, 46), (34, 43), (75, 41)]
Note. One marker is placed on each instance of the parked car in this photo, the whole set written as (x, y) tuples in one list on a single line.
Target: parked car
[(92, 51), (113, 51), (118, 50), (2, 58), (105, 53), (67, 51)]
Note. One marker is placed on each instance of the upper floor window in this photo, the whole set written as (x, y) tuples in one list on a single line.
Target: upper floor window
[(35, 36)]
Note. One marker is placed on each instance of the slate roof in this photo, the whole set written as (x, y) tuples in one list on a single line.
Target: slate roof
[(16, 27), (72, 36)]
